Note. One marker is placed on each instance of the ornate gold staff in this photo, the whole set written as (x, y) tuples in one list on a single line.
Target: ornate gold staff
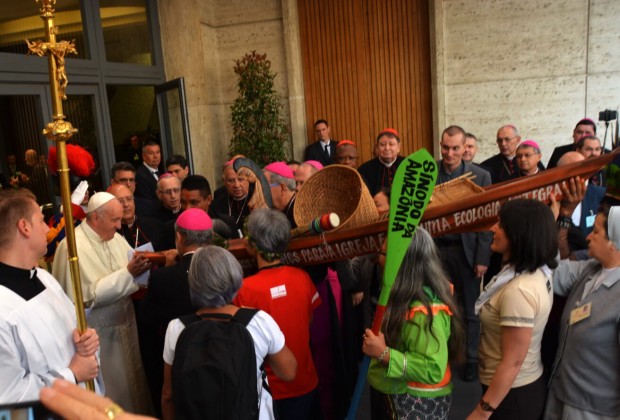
[(60, 131)]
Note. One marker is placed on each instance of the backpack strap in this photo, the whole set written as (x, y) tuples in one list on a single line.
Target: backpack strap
[(192, 318), (245, 315), (216, 316), (189, 319)]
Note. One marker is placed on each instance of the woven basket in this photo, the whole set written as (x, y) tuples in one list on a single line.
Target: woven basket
[(454, 190), (335, 189)]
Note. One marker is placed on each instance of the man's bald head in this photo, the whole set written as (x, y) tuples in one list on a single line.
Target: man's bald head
[(570, 157), (303, 173), (125, 197), (118, 189)]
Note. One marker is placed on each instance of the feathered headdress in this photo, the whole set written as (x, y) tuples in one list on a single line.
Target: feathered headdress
[(81, 163)]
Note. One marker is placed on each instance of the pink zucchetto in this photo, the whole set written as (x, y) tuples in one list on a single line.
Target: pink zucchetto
[(315, 164), (530, 143), (165, 175), (280, 168), (194, 219)]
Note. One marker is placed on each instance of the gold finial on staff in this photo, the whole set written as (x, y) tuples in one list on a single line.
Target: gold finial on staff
[(59, 131)]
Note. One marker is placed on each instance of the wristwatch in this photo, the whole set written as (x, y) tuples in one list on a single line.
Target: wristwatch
[(486, 407), (564, 222)]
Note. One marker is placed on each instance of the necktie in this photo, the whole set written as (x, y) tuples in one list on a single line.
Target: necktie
[(327, 149)]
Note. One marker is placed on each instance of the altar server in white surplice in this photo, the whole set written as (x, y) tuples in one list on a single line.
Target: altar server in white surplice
[(38, 339), (107, 282)]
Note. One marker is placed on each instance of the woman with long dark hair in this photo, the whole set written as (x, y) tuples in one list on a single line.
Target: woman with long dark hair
[(513, 309), (421, 333)]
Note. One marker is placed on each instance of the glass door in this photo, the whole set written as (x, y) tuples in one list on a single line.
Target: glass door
[(82, 110), (172, 109), (23, 147)]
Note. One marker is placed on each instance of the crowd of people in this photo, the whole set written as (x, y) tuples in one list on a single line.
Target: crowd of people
[(477, 304)]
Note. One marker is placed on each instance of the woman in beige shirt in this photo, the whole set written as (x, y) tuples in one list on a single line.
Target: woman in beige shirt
[(513, 311)]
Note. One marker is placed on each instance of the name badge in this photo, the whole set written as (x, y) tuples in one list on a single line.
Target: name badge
[(590, 220), (580, 313)]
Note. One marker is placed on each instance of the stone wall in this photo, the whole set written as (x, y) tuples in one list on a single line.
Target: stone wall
[(541, 66), (201, 41)]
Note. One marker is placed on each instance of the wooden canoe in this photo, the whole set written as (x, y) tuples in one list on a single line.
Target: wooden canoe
[(475, 213)]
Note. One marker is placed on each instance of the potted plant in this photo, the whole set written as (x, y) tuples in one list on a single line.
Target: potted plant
[(259, 132)]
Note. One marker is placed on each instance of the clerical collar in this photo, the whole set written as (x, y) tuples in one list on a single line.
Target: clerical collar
[(130, 225), (388, 165), (238, 199), (24, 283)]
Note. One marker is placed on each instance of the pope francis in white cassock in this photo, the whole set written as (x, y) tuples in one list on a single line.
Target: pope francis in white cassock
[(107, 278), (37, 319)]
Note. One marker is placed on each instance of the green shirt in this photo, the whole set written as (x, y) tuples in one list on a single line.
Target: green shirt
[(426, 356)]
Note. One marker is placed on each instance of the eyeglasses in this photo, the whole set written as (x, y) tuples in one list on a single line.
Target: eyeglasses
[(124, 200), (525, 155), (126, 180), (171, 191), (505, 139)]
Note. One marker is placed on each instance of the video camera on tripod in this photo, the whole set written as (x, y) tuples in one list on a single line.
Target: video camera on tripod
[(607, 116)]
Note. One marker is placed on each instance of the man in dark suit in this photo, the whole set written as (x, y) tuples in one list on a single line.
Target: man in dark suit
[(324, 149), (232, 200), (465, 256), (169, 197), (137, 230), (378, 173), (471, 147), (124, 173), (168, 296), (590, 147), (585, 127), (503, 165), (148, 173), (528, 159)]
